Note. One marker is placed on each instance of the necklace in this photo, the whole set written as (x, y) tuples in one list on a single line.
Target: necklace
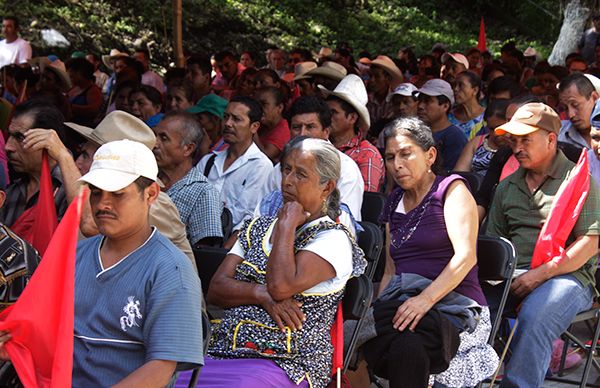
[(406, 231)]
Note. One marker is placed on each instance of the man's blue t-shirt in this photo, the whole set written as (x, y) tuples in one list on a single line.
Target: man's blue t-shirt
[(146, 307), (450, 143)]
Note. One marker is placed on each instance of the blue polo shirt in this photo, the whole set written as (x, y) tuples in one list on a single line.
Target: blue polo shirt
[(145, 307)]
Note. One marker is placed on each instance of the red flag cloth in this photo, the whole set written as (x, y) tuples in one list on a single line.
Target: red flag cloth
[(45, 220), (481, 44), (567, 205), (41, 321), (337, 340)]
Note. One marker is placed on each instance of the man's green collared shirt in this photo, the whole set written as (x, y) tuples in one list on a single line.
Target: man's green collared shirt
[(518, 214)]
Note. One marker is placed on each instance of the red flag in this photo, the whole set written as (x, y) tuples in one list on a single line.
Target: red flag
[(567, 205), (45, 219), (41, 321), (481, 45), (337, 340)]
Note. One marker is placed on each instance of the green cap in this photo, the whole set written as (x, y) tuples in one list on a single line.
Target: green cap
[(210, 103), (78, 54)]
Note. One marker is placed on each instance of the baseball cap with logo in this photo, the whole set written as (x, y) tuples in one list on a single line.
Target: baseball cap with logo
[(405, 89), (437, 87), (529, 118), (119, 163)]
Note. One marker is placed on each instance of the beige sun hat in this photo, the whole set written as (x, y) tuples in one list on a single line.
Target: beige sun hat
[(456, 57), (389, 66), (117, 125), (114, 53), (329, 69), (302, 68), (352, 90)]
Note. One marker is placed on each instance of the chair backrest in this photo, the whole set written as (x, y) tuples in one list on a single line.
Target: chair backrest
[(372, 206), (226, 223), (370, 240), (208, 260), (472, 178), (357, 297), (496, 258)]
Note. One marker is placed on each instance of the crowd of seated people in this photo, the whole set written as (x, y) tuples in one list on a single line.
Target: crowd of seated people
[(288, 151)]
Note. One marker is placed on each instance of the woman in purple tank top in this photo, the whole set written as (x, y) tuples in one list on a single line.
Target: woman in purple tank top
[(431, 318)]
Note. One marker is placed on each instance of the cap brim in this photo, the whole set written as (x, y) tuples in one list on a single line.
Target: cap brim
[(515, 128), (108, 179)]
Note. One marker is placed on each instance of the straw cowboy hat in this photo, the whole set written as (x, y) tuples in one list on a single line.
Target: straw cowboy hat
[(302, 68), (57, 67), (330, 70), (114, 53), (388, 66), (352, 90)]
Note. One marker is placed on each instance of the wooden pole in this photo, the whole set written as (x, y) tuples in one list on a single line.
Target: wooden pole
[(178, 33)]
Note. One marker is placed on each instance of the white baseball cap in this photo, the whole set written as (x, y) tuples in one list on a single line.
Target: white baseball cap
[(405, 89), (119, 163)]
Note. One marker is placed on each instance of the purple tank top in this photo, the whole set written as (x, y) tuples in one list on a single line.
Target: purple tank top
[(419, 239)]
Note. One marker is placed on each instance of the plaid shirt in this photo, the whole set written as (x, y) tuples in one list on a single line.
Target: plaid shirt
[(16, 198), (518, 214), (198, 204), (369, 162)]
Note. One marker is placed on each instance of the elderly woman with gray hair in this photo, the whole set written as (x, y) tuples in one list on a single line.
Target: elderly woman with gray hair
[(281, 282), (433, 302)]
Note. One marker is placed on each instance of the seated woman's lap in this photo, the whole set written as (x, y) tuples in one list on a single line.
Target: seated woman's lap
[(243, 372)]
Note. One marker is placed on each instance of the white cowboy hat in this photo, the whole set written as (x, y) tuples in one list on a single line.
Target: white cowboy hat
[(330, 70), (352, 90)]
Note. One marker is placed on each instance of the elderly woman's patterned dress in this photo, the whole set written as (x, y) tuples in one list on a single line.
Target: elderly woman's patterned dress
[(250, 332)]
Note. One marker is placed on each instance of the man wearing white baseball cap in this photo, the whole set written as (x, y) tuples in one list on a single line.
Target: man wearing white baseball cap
[(349, 119), (435, 99), (404, 102), (137, 300)]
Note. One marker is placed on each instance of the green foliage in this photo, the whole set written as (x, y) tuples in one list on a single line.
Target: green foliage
[(377, 26)]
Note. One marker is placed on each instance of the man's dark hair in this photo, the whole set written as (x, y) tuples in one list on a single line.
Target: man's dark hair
[(312, 104), (174, 74), (525, 99), (150, 92), (304, 53), (95, 56), (496, 108), (126, 85), (249, 54), (82, 66), (276, 93), (255, 110), (185, 87), (221, 55), (582, 83), (202, 62), (574, 56), (142, 183), (45, 115), (504, 84), (14, 19), (143, 51), (134, 65), (444, 100), (269, 73)]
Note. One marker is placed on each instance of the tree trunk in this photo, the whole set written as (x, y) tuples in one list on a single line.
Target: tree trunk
[(576, 15), (178, 34)]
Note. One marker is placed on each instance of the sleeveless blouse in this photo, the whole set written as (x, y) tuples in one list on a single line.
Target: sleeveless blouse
[(419, 239), (482, 158), (249, 331)]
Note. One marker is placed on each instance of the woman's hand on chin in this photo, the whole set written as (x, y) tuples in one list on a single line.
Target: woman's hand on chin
[(293, 214), (288, 312), (410, 312)]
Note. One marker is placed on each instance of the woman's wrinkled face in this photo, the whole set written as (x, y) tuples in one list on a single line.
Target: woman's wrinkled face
[(300, 181), (408, 163)]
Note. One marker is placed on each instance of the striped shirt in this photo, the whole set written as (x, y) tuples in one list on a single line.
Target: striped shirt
[(369, 160), (145, 307)]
